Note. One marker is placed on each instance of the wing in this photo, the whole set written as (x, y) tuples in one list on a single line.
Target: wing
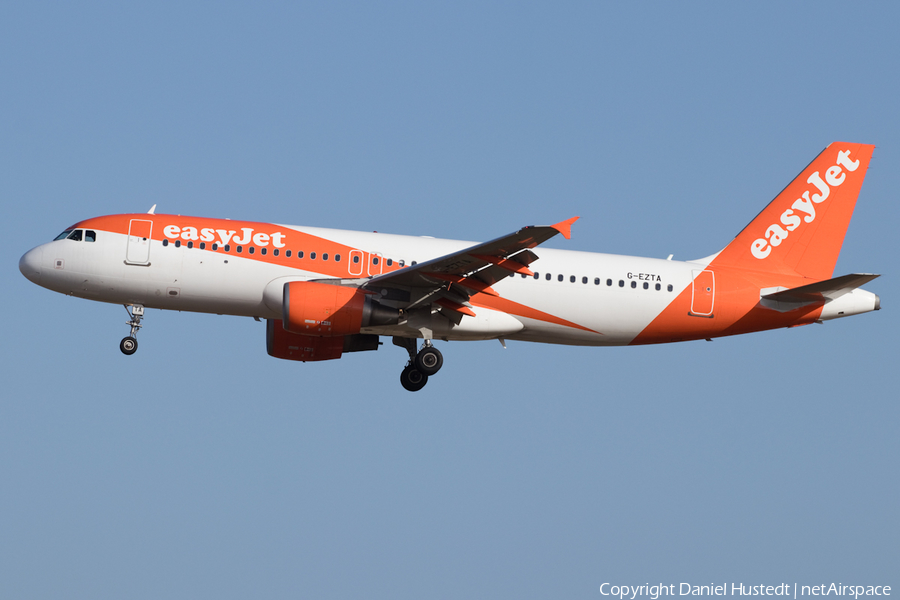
[(448, 281)]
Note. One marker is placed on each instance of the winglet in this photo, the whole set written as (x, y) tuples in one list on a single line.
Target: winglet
[(565, 227), (152, 210)]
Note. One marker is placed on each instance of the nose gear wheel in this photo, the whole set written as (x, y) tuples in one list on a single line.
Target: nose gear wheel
[(128, 345)]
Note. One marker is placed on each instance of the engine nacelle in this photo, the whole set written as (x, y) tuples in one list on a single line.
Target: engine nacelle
[(325, 310), (307, 348)]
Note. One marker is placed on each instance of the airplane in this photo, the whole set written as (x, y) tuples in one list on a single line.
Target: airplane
[(326, 292)]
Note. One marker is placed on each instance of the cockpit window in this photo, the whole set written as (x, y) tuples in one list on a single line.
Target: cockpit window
[(75, 235), (90, 236), (63, 235)]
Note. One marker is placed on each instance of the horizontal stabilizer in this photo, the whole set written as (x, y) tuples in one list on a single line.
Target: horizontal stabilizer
[(830, 289)]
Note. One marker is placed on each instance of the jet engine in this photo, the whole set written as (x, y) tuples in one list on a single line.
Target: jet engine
[(325, 310)]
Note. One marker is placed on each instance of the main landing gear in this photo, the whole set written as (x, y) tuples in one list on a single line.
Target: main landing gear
[(129, 344), (421, 365)]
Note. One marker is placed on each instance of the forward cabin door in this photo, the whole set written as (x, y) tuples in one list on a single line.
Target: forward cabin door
[(138, 251), (704, 294)]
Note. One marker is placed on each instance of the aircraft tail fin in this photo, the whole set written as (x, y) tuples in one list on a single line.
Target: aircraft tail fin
[(801, 231)]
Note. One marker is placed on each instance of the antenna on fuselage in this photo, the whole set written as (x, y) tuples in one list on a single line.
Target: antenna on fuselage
[(152, 208)]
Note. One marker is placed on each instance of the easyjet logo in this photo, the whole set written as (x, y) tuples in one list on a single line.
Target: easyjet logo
[(805, 206), (225, 235)]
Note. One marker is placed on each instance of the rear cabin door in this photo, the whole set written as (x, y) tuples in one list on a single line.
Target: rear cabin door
[(138, 251), (704, 294)]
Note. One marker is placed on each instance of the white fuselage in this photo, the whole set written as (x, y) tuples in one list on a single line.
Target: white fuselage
[(572, 286)]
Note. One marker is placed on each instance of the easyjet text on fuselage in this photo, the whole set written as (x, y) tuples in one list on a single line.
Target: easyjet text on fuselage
[(225, 236)]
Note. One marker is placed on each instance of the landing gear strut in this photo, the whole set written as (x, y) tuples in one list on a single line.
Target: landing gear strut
[(129, 344), (421, 365)]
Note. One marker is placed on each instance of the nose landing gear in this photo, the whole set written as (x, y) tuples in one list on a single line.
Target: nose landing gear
[(421, 365), (129, 344)]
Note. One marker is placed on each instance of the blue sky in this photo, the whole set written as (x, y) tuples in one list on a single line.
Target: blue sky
[(201, 467)]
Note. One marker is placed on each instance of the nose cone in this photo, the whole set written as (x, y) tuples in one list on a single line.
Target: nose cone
[(30, 264)]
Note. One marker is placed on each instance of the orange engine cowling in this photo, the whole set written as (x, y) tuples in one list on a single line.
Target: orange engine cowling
[(307, 348), (325, 310)]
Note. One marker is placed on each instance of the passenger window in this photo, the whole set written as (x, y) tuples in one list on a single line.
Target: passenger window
[(325, 256), (670, 287), (63, 235), (215, 246), (239, 249), (596, 281), (548, 276), (559, 277), (621, 283), (203, 245), (646, 286), (312, 256), (287, 253), (75, 235), (402, 262), (524, 275), (337, 258), (251, 249), (658, 287), (355, 260), (178, 244), (414, 263), (584, 280), (165, 242), (609, 282), (537, 275), (300, 254), (633, 284), (374, 260), (227, 247), (390, 262), (90, 236), (190, 244), (263, 251)]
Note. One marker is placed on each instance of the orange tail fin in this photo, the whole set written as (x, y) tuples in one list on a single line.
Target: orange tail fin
[(801, 231)]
